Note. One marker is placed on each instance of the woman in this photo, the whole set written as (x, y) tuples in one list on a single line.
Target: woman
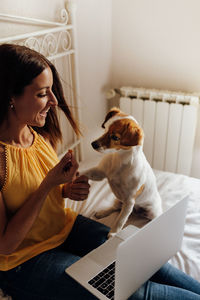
[(38, 237)]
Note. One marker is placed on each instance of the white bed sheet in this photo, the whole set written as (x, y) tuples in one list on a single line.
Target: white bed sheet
[(172, 187)]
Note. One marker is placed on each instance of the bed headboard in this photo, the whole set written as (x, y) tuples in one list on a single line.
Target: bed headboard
[(57, 41), (169, 121)]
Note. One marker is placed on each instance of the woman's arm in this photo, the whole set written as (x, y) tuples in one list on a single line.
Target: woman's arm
[(14, 230)]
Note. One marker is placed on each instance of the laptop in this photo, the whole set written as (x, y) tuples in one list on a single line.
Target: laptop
[(131, 257)]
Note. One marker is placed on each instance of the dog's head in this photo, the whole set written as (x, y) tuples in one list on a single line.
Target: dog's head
[(122, 132)]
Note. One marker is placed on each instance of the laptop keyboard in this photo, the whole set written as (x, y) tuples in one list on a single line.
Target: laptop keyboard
[(104, 281)]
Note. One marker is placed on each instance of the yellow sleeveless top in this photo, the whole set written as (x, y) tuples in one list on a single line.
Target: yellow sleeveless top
[(25, 170)]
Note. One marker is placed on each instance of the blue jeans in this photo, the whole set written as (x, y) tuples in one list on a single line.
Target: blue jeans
[(43, 277)]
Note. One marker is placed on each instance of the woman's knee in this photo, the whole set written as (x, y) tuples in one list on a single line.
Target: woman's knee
[(86, 235)]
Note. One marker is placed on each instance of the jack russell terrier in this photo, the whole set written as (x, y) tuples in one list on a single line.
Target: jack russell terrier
[(125, 166)]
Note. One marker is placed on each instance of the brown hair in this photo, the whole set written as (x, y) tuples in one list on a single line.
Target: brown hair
[(19, 65)]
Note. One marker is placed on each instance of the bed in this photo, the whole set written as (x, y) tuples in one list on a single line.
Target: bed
[(57, 42)]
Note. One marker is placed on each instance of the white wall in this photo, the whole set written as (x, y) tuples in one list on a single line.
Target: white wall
[(94, 45), (159, 47)]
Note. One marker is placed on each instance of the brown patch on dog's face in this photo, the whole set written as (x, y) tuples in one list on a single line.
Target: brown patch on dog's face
[(122, 134)]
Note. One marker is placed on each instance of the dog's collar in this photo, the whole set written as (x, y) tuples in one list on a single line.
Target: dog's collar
[(116, 118)]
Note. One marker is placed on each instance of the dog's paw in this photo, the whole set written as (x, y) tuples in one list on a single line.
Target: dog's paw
[(105, 212), (100, 214), (111, 234)]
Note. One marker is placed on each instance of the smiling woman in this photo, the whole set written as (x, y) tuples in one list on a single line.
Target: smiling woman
[(30, 86), (33, 182)]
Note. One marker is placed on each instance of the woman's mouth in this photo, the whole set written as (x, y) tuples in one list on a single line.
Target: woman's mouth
[(44, 113)]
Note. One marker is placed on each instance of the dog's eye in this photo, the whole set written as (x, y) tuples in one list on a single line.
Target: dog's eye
[(114, 137)]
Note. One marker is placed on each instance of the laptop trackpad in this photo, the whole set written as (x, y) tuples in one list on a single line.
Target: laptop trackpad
[(105, 253)]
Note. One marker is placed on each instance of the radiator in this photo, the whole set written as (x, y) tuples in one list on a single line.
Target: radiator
[(169, 122)]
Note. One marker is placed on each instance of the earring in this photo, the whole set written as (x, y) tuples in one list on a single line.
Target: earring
[(11, 106)]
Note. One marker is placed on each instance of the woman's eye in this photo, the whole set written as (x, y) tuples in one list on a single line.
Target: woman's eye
[(42, 95), (114, 137)]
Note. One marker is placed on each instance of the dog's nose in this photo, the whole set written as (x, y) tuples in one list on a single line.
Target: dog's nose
[(95, 145)]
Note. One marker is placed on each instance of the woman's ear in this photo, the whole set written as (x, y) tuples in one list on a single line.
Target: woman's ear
[(11, 103)]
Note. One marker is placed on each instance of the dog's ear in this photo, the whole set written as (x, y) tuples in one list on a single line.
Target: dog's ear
[(114, 111), (133, 136)]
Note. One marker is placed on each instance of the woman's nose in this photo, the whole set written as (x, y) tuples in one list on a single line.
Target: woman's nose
[(52, 98)]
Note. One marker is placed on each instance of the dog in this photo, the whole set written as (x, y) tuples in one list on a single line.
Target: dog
[(126, 168)]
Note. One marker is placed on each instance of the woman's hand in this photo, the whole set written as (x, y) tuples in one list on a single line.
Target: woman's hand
[(64, 171), (78, 189)]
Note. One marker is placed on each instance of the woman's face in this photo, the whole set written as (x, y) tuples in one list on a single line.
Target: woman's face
[(32, 106)]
